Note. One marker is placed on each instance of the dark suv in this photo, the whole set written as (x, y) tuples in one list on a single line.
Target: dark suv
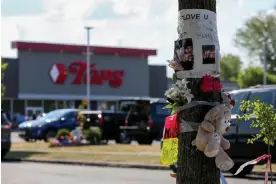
[(145, 120), (240, 132), (5, 134)]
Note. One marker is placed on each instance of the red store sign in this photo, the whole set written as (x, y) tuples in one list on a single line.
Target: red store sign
[(59, 74)]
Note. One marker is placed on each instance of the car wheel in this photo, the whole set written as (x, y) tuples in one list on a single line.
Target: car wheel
[(27, 139), (144, 140), (123, 138), (50, 134), (247, 170), (4, 153)]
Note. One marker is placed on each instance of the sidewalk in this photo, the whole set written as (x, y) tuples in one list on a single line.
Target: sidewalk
[(110, 164)]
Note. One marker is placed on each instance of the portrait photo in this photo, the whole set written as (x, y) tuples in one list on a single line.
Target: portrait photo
[(209, 54), (184, 53)]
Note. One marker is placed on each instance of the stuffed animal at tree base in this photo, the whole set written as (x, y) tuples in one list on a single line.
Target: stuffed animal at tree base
[(209, 137)]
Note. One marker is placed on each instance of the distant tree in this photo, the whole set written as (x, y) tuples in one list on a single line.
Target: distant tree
[(3, 87), (252, 76), (230, 67), (258, 30)]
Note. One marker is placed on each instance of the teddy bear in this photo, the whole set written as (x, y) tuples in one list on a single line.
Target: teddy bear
[(209, 137)]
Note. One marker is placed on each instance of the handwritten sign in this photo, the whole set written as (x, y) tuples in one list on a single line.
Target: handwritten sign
[(169, 151), (197, 49), (171, 128)]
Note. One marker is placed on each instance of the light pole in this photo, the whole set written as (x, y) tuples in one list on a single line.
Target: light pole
[(265, 64), (88, 67)]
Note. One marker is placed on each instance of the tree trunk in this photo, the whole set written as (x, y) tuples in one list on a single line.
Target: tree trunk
[(193, 166)]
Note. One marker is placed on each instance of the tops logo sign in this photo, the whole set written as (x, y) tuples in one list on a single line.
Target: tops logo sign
[(59, 74)]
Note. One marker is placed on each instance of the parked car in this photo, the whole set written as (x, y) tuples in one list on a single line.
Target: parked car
[(6, 127), (47, 126), (240, 132), (145, 120), (108, 122)]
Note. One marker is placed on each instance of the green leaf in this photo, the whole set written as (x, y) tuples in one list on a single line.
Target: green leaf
[(174, 77), (169, 106), (265, 119), (174, 110)]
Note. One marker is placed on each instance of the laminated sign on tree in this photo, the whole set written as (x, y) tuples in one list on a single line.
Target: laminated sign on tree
[(170, 142), (197, 49)]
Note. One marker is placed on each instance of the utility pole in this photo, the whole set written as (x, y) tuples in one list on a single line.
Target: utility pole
[(88, 67), (193, 166), (265, 63)]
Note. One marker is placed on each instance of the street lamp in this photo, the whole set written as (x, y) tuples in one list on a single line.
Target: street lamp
[(88, 66), (265, 63)]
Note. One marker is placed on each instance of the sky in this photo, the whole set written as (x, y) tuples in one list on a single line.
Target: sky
[(123, 23)]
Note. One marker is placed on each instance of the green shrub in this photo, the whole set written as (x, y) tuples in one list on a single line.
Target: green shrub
[(93, 136), (63, 132)]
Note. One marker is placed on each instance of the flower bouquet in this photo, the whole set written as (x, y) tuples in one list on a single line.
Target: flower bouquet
[(178, 95)]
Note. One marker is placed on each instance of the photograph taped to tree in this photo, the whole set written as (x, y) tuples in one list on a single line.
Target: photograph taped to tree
[(197, 27), (185, 53), (208, 54)]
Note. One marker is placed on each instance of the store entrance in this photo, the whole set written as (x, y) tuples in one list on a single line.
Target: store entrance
[(33, 112)]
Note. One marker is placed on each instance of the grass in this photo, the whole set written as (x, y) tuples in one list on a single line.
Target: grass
[(91, 157), (87, 148), (262, 167), (91, 153)]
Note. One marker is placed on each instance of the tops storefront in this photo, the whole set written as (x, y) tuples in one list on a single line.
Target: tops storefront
[(50, 76)]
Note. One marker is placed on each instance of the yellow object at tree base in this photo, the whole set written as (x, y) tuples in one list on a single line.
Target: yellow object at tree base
[(169, 151)]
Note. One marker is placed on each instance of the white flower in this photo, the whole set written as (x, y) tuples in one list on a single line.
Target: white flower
[(169, 91), (180, 92), (189, 97)]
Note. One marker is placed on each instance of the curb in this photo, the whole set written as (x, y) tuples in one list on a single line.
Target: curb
[(99, 164), (261, 173), (102, 164)]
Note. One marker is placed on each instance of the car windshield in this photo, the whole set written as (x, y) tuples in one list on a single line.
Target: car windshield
[(54, 115), (238, 97)]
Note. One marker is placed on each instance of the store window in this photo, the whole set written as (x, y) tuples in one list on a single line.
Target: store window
[(19, 106), (69, 104), (49, 105), (34, 103), (60, 104), (107, 105)]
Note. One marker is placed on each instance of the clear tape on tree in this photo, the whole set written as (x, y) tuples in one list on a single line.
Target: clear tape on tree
[(197, 103), (188, 126), (196, 51)]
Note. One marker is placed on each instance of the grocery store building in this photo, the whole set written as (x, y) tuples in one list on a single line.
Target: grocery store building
[(50, 76)]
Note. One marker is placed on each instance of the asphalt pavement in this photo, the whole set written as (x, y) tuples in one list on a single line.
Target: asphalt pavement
[(35, 173)]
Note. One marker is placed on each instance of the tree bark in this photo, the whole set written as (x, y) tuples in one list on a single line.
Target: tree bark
[(193, 166)]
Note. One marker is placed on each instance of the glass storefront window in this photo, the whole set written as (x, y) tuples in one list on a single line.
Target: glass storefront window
[(19, 106), (49, 105), (107, 105), (34, 103), (69, 104)]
